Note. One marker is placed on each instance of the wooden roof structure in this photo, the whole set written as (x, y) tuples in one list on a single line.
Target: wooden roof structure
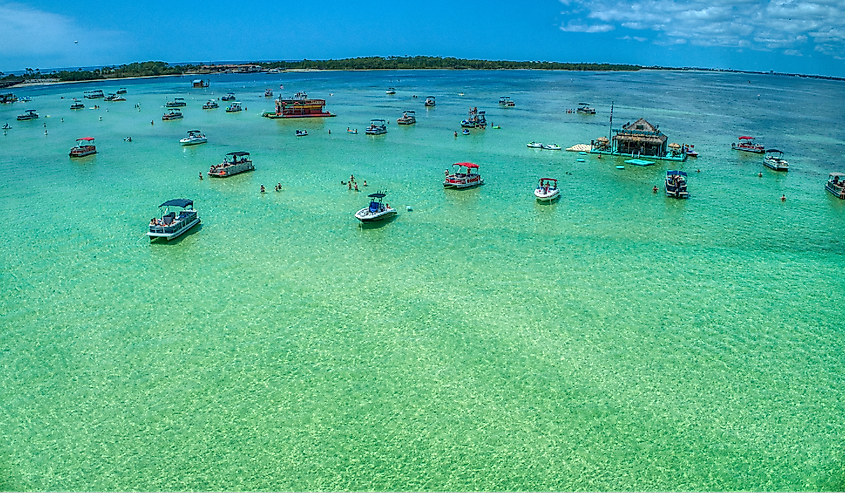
[(641, 132)]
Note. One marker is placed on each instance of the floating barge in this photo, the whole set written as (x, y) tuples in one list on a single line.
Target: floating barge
[(300, 106), (640, 140)]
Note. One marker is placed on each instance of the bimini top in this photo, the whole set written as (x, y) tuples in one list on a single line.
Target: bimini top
[(88, 139), (238, 153), (376, 195), (178, 203), (466, 165), (745, 137), (835, 174), (548, 179), (773, 151), (673, 172)]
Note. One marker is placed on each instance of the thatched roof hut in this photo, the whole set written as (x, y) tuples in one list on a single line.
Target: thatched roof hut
[(642, 138)]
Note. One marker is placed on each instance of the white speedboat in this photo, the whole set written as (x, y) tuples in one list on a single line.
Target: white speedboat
[(534, 145), (376, 211), (194, 137), (173, 223), (429, 101), (465, 176), (551, 147), (774, 160), (547, 190), (390, 90), (377, 127), (229, 97), (233, 163)]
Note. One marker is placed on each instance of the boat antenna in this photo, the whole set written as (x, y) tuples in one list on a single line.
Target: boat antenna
[(610, 130)]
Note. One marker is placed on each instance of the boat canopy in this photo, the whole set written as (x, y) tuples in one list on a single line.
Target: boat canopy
[(238, 153), (467, 165), (376, 195), (194, 131), (746, 137), (548, 179), (835, 174), (178, 203), (673, 172), (89, 139), (774, 151)]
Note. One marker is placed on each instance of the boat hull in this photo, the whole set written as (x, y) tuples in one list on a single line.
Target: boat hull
[(754, 150), (365, 216), (777, 166), (82, 153), (543, 196), (166, 235), (232, 170), (191, 142), (838, 193)]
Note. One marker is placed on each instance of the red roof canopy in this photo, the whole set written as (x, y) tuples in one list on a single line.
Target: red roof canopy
[(745, 137), (89, 139), (467, 165)]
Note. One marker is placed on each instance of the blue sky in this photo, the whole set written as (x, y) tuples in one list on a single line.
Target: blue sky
[(793, 36)]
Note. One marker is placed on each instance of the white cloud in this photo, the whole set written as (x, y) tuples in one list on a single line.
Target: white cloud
[(787, 25)]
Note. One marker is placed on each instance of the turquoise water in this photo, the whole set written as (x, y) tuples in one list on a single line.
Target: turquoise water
[(614, 340)]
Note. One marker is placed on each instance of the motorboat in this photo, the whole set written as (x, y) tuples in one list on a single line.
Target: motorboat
[(94, 94), (77, 105), (551, 147), (390, 90), (747, 144), (28, 115), (83, 147), (268, 93), (177, 216), (774, 160), (301, 133), (534, 145), (194, 137), (465, 175), (506, 101), (547, 190), (836, 185), (690, 151), (676, 184), (122, 90), (114, 97), (475, 119), (408, 118), (429, 101), (172, 115), (234, 107), (229, 97), (377, 127), (210, 105), (233, 163), (176, 103), (584, 109), (376, 211)]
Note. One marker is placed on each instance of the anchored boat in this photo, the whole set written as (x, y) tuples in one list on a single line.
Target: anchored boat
[(194, 137), (376, 211), (28, 115), (746, 143), (83, 147), (547, 190), (774, 160), (377, 127), (233, 163), (506, 101), (676, 184), (172, 115), (475, 119), (465, 176), (234, 107), (173, 223), (408, 118), (429, 101), (584, 109), (176, 103), (210, 105), (836, 185), (299, 106)]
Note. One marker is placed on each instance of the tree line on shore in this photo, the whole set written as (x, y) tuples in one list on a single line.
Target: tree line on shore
[(153, 68)]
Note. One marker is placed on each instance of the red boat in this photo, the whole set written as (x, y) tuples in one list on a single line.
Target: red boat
[(747, 144), (83, 147), (299, 107), (465, 176)]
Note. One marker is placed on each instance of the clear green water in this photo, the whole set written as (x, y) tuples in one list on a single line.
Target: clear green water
[(615, 340)]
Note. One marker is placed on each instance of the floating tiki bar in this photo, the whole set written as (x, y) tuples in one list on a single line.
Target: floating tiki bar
[(640, 139), (299, 106)]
